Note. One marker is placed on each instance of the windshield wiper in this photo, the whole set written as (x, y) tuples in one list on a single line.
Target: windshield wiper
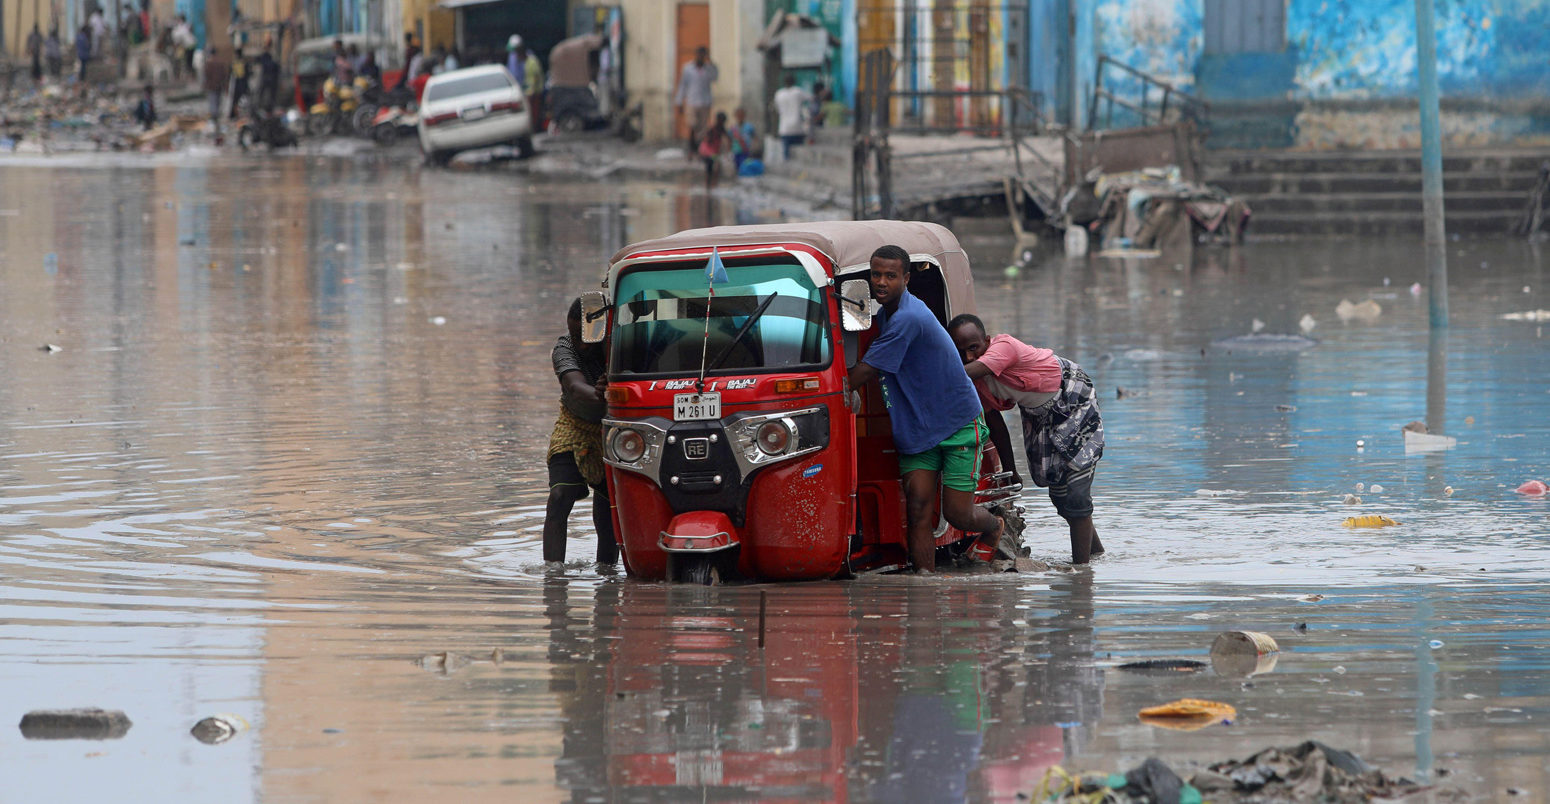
[(726, 351)]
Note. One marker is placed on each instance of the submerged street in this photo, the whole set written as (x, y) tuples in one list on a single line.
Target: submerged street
[(272, 442)]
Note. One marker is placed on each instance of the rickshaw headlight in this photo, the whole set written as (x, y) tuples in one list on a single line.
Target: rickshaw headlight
[(773, 437), (627, 445)]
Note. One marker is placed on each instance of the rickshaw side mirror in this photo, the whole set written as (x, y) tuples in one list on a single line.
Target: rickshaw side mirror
[(594, 316), (856, 305)]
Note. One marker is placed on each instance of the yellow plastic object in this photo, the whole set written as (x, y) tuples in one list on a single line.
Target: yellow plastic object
[(1191, 707), (1368, 521), (1187, 714)]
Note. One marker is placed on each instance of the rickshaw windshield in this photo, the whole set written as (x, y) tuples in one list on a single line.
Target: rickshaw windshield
[(660, 321), (315, 62)]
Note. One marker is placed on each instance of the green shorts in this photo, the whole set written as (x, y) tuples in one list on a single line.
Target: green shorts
[(957, 457)]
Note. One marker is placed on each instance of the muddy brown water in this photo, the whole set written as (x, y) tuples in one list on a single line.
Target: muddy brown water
[(288, 465)]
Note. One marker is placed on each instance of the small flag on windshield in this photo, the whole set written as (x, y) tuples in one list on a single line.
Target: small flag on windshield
[(715, 270)]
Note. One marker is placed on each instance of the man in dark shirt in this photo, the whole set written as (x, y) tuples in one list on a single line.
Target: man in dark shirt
[(217, 74), (576, 445), (938, 425), (145, 110), (268, 77)]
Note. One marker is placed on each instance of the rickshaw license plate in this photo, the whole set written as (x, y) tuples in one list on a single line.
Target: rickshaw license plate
[(695, 407)]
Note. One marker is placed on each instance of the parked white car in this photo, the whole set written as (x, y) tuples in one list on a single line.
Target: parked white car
[(475, 107)]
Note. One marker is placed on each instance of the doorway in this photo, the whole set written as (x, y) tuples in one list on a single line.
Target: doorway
[(693, 33)]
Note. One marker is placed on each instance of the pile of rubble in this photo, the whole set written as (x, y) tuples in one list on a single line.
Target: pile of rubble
[(59, 117), (1311, 771)]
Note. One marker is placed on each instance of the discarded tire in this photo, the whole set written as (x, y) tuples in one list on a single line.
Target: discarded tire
[(75, 724)]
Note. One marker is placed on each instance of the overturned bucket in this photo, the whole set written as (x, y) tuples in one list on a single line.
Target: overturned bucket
[(1243, 653)]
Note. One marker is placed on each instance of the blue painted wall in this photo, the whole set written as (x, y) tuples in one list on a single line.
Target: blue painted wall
[(194, 11), (1366, 48), (1341, 51), (1343, 48)]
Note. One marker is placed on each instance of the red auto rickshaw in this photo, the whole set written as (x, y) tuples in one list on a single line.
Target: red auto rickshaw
[(733, 449)]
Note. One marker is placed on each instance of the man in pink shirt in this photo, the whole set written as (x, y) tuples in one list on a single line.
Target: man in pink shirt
[(1062, 429)]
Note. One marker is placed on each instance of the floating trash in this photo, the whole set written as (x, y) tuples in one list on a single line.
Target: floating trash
[(1266, 342), (218, 729), (1368, 521), (1243, 653), (75, 724), (1534, 488), (1367, 310), (1188, 714), (1163, 666)]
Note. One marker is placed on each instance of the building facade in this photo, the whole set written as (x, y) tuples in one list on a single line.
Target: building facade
[(662, 35)]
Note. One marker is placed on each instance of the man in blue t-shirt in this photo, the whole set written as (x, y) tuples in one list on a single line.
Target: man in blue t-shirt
[(938, 425)]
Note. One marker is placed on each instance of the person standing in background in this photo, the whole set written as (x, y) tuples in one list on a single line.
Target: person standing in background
[(515, 64), (54, 53), (83, 52), (239, 81), (694, 92), (791, 107), (532, 85), (268, 77), (35, 52), (743, 138), (217, 73)]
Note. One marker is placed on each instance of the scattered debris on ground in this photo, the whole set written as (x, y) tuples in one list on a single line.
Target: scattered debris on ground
[(1311, 771)]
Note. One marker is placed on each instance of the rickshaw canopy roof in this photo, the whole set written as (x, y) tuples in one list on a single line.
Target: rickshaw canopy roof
[(848, 244), (569, 61)]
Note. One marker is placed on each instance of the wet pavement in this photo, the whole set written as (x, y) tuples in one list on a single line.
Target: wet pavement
[(287, 464)]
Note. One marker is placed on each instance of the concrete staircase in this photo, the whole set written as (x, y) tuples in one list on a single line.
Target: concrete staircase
[(1350, 193)]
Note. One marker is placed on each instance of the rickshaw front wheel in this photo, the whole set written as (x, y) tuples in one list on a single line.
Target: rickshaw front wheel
[(697, 570)]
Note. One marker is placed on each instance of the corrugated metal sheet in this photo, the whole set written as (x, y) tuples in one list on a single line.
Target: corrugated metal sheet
[(1245, 26)]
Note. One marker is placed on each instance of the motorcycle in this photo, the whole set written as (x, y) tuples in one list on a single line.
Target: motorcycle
[(333, 113), (267, 128), (392, 122), (373, 98)]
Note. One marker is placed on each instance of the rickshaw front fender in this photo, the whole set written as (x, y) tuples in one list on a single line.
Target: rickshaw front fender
[(699, 532)]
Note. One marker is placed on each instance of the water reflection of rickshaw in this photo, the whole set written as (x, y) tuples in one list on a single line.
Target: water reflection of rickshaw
[(848, 691), (733, 447)]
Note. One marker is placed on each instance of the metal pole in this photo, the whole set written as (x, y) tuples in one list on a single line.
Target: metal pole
[(1431, 164)]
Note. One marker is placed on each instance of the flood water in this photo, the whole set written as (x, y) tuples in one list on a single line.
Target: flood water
[(288, 465)]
